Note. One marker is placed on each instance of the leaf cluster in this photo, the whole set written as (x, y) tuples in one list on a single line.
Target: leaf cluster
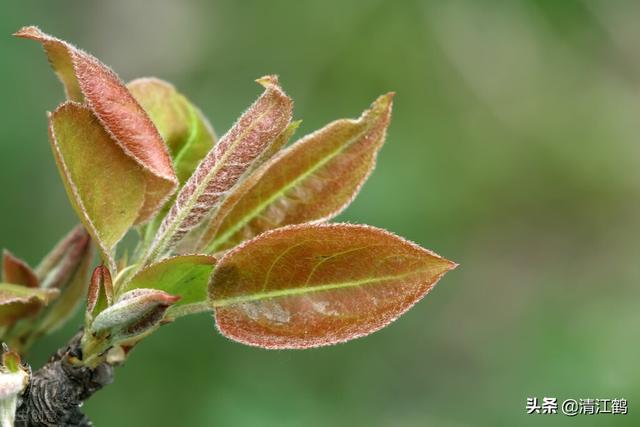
[(237, 225)]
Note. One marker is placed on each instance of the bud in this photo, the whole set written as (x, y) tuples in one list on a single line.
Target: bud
[(100, 294), (13, 380), (134, 313)]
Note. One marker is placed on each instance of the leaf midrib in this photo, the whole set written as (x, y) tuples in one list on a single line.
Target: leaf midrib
[(293, 291), (279, 193), (192, 201)]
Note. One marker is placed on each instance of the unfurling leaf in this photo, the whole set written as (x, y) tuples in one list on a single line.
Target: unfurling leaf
[(100, 294), (185, 276), (70, 278), (88, 80), (313, 285), (182, 125), (195, 241), (17, 301), (105, 186), (276, 145), (134, 313), (17, 271), (233, 155), (312, 180), (57, 265)]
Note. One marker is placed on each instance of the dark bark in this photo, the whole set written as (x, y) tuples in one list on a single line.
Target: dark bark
[(57, 390)]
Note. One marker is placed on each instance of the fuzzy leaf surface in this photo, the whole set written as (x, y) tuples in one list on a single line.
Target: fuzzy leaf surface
[(234, 154), (186, 276), (134, 313), (312, 285), (100, 292), (58, 265), (88, 80), (106, 187), (183, 127), (312, 180)]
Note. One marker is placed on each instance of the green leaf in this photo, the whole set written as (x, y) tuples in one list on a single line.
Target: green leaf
[(15, 270), (182, 126), (185, 276), (17, 301), (313, 285), (313, 180), (88, 80), (105, 186), (236, 152)]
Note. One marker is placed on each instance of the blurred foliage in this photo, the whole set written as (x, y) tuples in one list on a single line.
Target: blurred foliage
[(513, 150)]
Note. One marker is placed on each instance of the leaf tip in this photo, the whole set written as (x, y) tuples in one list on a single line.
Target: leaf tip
[(269, 81), (50, 295), (29, 32), (169, 299), (448, 265), (384, 102)]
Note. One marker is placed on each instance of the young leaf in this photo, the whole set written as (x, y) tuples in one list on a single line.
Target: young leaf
[(183, 127), (63, 270), (15, 270), (17, 301), (185, 276), (100, 294), (134, 313), (275, 146), (313, 285), (88, 80), (105, 186), (70, 278), (49, 269), (236, 151), (312, 180)]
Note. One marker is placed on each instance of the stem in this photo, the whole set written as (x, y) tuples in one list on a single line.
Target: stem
[(56, 391)]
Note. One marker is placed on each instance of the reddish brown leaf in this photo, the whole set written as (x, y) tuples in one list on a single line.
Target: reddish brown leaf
[(181, 124), (63, 257), (62, 272), (313, 285), (313, 180), (71, 278), (15, 270), (100, 294), (88, 80), (236, 151)]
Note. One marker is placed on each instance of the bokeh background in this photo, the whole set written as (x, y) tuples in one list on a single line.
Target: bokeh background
[(513, 150)]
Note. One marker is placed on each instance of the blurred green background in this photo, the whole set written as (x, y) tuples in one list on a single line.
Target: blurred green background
[(513, 150)]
